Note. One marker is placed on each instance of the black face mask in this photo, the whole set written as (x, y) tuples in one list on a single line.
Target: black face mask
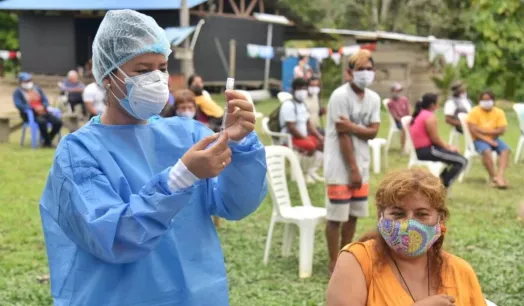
[(197, 90)]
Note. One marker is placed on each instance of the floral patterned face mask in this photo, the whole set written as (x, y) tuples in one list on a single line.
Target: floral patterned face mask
[(409, 237)]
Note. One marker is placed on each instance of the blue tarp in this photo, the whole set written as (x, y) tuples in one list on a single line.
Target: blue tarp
[(88, 5), (177, 35)]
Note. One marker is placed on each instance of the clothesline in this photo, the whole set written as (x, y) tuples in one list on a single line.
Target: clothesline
[(6, 54), (320, 54)]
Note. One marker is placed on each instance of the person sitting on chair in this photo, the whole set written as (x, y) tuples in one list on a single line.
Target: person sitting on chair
[(429, 146), (29, 97), (316, 111), (456, 104), (398, 107), (486, 124), (93, 98), (74, 88)]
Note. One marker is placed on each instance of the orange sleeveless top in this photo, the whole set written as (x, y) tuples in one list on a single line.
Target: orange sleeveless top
[(459, 279)]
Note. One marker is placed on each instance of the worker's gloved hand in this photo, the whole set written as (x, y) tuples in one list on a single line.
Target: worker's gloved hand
[(240, 118), (206, 161)]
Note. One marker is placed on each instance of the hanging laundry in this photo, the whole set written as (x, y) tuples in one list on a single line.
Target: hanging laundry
[(257, 51), (336, 57), (280, 52), (304, 52), (349, 50), (291, 52), (320, 54), (442, 48), (467, 50), (4, 54)]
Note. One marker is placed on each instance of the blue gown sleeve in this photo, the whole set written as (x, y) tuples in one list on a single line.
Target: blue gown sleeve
[(88, 209), (241, 187)]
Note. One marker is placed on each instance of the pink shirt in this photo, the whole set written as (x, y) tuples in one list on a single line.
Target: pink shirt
[(418, 131)]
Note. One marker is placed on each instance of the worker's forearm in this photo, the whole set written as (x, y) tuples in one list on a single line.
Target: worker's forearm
[(293, 131), (346, 147)]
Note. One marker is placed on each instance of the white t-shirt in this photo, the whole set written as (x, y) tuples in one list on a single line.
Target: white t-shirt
[(95, 94), (292, 111), (450, 106), (363, 112)]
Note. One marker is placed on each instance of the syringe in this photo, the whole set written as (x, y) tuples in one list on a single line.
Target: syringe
[(230, 85)]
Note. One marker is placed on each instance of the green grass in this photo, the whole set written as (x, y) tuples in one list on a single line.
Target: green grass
[(483, 229)]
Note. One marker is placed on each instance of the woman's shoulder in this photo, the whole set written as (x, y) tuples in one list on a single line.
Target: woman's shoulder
[(458, 265), (363, 251)]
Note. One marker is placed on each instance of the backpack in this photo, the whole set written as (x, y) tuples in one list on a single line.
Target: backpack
[(274, 118)]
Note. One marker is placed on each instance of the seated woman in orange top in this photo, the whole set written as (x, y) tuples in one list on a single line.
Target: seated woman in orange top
[(402, 264)]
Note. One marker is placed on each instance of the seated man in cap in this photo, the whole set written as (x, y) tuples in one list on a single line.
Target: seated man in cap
[(29, 97), (398, 107), (456, 104)]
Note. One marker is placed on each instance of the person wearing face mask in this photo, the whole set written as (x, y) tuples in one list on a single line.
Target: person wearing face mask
[(30, 97), (313, 103), (487, 124), (398, 107), (353, 118), (458, 103), (184, 105), (126, 210), (402, 263), (429, 146)]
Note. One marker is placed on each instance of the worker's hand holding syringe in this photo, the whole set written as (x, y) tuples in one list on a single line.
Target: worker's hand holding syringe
[(239, 118)]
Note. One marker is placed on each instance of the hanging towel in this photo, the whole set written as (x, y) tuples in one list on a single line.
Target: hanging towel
[(304, 52), (4, 54), (349, 50), (291, 52), (467, 50), (443, 48), (320, 54), (266, 52)]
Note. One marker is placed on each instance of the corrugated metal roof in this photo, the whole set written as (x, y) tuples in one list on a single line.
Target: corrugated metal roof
[(177, 35), (92, 5), (387, 35)]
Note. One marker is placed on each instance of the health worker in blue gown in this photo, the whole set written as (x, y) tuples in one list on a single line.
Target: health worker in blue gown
[(127, 207)]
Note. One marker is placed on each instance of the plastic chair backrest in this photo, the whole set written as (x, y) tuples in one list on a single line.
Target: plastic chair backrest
[(463, 118), (392, 124), (276, 157), (248, 98), (206, 94), (284, 96), (519, 109), (406, 123)]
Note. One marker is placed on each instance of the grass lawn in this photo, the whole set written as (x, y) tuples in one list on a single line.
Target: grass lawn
[(483, 229)]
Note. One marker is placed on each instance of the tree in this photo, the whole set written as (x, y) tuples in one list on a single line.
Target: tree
[(8, 31)]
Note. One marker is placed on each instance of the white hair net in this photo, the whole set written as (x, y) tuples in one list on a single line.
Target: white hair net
[(122, 36)]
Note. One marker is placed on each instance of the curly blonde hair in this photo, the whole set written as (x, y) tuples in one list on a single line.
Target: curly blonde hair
[(393, 190), (359, 58)]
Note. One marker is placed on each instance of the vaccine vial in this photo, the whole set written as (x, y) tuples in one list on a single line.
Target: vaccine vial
[(230, 85)]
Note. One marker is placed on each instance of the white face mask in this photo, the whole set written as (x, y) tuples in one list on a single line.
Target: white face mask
[(147, 94), (486, 104), (301, 94), (314, 90), (186, 114), (27, 86), (363, 78)]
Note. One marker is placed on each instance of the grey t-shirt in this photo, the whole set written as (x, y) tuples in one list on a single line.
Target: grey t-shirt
[(345, 102)]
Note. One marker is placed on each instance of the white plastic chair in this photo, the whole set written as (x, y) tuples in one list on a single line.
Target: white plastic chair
[(250, 100), (490, 303), (305, 217), (434, 167), (469, 153), (284, 96), (454, 137), (519, 109), (376, 145), (392, 126)]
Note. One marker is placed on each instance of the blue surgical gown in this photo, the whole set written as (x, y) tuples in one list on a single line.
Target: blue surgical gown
[(116, 234)]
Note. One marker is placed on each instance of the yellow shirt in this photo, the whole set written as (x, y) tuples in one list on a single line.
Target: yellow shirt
[(483, 119), (209, 107), (459, 279)]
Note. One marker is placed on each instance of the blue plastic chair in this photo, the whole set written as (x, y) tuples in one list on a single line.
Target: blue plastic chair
[(33, 128)]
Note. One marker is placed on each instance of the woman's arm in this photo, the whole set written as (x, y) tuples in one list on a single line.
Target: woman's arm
[(82, 200), (432, 130), (241, 187), (347, 286)]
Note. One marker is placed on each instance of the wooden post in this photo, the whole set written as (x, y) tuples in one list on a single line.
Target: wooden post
[(242, 6), (344, 65), (4, 130), (71, 122), (232, 57)]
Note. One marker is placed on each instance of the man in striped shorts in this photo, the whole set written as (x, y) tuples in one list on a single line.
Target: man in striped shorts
[(353, 118)]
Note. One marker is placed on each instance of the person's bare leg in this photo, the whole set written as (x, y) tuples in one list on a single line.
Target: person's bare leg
[(487, 160), (332, 238), (348, 231), (503, 164)]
